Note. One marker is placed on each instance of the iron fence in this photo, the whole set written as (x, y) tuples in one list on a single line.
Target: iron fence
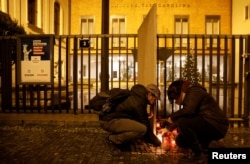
[(220, 63), (218, 59)]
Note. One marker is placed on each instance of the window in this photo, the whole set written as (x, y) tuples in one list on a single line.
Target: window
[(87, 27), (181, 27), (247, 12), (212, 28), (56, 18), (118, 27), (32, 12)]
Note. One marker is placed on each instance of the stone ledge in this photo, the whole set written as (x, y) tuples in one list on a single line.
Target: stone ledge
[(49, 119)]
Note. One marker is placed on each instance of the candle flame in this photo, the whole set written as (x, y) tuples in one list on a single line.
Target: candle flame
[(158, 125), (173, 143)]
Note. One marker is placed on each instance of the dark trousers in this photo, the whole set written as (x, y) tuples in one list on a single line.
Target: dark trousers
[(124, 130), (195, 133)]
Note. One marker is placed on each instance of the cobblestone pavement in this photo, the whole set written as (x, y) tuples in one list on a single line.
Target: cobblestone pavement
[(46, 144), (82, 144)]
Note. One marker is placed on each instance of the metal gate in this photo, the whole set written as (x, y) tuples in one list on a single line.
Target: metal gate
[(221, 60)]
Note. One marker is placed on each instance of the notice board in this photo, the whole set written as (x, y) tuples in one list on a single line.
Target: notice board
[(35, 59)]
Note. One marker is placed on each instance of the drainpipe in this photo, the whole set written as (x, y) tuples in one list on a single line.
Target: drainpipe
[(105, 47)]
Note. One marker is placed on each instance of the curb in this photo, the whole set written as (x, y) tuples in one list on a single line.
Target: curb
[(58, 119)]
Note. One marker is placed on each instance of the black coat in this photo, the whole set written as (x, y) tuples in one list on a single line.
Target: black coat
[(135, 108), (198, 102)]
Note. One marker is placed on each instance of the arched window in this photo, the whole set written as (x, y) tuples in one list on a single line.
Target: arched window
[(57, 18)]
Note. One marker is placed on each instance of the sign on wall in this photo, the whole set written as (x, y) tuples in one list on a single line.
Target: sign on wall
[(84, 43), (35, 59)]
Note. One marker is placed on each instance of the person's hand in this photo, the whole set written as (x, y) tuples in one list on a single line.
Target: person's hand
[(170, 120), (162, 131), (169, 124), (151, 115)]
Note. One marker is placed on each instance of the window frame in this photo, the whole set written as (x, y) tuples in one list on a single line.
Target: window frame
[(182, 18), (87, 18), (118, 41), (215, 21)]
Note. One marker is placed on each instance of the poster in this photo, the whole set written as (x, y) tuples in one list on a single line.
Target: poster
[(35, 58)]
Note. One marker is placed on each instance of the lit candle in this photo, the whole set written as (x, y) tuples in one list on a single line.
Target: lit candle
[(173, 143), (158, 125)]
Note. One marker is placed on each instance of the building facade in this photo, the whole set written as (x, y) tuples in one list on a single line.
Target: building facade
[(39, 16), (241, 17), (173, 17), (73, 17)]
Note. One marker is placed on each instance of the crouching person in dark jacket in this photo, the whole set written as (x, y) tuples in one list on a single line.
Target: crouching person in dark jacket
[(129, 121), (199, 121)]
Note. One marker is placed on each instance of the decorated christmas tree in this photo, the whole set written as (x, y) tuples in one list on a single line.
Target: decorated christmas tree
[(190, 71)]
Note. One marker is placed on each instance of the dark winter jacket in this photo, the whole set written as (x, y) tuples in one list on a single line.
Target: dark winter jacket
[(135, 108), (198, 102)]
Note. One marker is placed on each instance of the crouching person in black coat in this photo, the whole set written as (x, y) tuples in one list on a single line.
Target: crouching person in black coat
[(129, 121), (199, 121)]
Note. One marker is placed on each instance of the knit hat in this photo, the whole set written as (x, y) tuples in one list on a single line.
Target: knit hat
[(152, 88)]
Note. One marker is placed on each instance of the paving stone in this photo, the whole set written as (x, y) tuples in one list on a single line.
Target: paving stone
[(54, 143)]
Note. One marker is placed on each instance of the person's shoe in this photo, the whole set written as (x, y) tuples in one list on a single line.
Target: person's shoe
[(193, 159), (114, 150)]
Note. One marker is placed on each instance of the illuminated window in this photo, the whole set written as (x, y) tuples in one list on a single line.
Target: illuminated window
[(32, 12), (212, 28), (87, 27), (181, 27), (118, 27)]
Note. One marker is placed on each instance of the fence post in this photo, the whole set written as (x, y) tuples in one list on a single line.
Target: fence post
[(247, 81), (105, 47), (6, 74)]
